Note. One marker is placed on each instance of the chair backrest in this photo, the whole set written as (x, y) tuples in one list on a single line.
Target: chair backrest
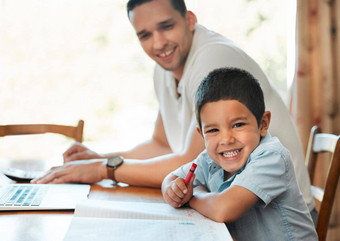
[(318, 143), (74, 132)]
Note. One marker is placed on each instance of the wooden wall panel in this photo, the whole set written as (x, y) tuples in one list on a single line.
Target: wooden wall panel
[(317, 84)]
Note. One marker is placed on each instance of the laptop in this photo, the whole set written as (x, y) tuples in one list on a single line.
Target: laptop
[(41, 196)]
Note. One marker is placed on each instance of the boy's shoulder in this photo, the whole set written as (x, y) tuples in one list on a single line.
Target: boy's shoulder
[(204, 157), (270, 144), (204, 160), (270, 153)]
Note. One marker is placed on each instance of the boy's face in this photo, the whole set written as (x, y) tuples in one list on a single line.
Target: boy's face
[(231, 133), (164, 34)]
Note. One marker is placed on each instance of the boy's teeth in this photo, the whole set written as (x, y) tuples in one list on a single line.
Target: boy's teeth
[(230, 153)]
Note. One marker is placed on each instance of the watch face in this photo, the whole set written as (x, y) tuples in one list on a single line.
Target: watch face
[(115, 161)]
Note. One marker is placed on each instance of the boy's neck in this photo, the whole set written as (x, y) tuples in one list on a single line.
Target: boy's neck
[(225, 175)]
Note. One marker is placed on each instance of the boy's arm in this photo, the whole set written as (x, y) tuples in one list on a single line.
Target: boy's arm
[(226, 206)]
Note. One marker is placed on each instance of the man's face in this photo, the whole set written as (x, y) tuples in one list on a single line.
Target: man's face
[(164, 34)]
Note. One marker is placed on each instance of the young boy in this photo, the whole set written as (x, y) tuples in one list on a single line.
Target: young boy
[(245, 176)]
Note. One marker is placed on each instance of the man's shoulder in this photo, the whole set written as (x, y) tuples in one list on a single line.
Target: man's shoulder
[(204, 38), (214, 50)]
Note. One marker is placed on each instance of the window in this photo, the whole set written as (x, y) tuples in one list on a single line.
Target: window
[(80, 59)]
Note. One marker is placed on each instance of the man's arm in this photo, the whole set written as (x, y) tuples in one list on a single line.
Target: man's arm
[(149, 172), (157, 146), (224, 207)]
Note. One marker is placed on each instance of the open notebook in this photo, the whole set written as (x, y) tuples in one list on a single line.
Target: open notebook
[(121, 221), (41, 196)]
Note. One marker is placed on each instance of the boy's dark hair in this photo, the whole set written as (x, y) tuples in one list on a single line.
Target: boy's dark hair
[(178, 5), (230, 84)]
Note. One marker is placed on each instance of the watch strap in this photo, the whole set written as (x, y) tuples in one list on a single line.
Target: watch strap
[(111, 173)]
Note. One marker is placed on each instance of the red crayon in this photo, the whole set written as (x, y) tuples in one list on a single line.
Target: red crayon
[(190, 172)]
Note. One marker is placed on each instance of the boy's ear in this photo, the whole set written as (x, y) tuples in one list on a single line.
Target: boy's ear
[(199, 130), (265, 123)]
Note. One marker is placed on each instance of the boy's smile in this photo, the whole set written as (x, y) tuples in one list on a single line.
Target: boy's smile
[(232, 155), (231, 133)]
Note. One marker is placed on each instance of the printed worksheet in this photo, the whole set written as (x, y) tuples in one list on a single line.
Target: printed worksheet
[(113, 220)]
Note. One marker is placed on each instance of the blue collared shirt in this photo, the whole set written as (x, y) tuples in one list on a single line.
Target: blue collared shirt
[(281, 213)]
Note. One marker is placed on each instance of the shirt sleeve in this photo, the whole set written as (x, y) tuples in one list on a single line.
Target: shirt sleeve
[(201, 171), (266, 175)]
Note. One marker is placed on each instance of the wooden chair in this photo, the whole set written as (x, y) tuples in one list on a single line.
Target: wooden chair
[(318, 143), (74, 132)]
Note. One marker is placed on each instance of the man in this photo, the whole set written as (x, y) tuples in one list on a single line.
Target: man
[(184, 52)]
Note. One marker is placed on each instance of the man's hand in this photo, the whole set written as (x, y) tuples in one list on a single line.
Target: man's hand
[(79, 152), (75, 172), (176, 193)]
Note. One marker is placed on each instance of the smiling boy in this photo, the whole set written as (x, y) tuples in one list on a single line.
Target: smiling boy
[(245, 177)]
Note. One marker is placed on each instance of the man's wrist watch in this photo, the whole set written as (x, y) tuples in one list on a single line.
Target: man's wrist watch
[(112, 164)]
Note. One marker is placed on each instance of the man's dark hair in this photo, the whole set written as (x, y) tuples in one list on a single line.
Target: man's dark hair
[(230, 84), (178, 5)]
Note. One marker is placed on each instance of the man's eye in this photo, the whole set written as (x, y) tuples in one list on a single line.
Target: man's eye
[(167, 27), (143, 36)]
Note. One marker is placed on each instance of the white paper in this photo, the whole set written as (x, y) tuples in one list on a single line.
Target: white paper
[(138, 221)]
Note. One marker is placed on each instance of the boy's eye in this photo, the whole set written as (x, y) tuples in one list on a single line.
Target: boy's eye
[(211, 130), (240, 124)]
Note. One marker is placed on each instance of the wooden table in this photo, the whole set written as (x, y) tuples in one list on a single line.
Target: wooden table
[(52, 225)]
